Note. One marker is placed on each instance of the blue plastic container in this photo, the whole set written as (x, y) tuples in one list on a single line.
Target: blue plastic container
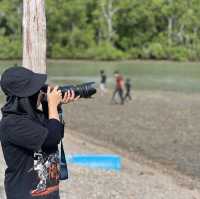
[(107, 161)]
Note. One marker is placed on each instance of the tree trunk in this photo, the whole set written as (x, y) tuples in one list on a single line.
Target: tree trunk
[(34, 35), (109, 20), (108, 13), (170, 21), (170, 24)]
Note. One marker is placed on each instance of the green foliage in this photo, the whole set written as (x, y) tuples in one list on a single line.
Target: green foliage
[(102, 52), (156, 51), (105, 51), (108, 30), (134, 53), (10, 49), (58, 51), (178, 53)]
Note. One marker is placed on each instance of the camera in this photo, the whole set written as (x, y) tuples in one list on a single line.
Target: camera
[(85, 90)]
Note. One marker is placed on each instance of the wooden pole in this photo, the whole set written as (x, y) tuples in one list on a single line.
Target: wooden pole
[(34, 35)]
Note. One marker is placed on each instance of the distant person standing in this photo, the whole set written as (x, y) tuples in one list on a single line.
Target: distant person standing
[(128, 89), (103, 82), (119, 87)]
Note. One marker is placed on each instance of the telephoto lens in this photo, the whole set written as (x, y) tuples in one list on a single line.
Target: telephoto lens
[(85, 90)]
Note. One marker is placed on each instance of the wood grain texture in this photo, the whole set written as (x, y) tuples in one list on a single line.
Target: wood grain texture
[(34, 35)]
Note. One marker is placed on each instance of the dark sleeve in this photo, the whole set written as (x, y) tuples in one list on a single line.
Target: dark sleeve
[(26, 133), (55, 133)]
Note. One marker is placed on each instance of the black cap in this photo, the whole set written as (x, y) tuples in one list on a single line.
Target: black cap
[(21, 82)]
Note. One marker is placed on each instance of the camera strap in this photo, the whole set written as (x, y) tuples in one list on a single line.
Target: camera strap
[(63, 164), (62, 153)]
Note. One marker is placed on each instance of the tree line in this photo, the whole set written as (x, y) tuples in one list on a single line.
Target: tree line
[(109, 29)]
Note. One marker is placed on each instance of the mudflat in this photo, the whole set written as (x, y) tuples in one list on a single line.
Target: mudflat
[(161, 126)]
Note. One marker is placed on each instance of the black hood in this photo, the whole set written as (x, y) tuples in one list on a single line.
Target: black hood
[(26, 106)]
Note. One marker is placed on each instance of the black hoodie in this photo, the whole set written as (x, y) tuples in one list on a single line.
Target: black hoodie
[(30, 146)]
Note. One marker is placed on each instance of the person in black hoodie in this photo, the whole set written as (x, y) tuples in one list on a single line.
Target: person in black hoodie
[(30, 137)]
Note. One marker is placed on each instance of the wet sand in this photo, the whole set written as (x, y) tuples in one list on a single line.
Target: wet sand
[(161, 126)]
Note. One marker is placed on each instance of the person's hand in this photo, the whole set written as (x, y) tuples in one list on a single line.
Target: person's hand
[(54, 96), (69, 97)]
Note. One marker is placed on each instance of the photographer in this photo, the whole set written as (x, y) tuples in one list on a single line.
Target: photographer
[(30, 137)]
